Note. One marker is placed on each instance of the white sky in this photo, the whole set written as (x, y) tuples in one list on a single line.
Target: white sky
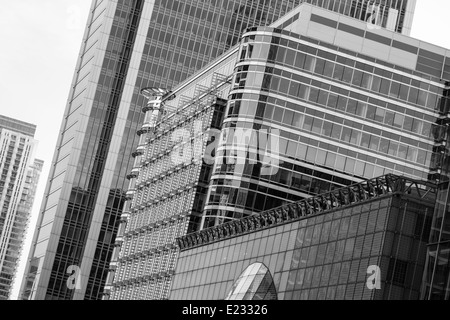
[(40, 42)]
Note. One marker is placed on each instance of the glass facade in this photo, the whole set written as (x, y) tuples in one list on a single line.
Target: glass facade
[(167, 193), (19, 177), (157, 72), (326, 247), (338, 117), (149, 277), (128, 45), (394, 15), (255, 283), (437, 277), (86, 191)]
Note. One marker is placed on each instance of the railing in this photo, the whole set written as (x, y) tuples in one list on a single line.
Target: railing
[(357, 193)]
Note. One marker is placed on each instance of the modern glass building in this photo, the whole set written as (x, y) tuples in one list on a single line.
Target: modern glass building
[(168, 183), (19, 177), (150, 222), (344, 102), (437, 277), (367, 241), (128, 45), (144, 259)]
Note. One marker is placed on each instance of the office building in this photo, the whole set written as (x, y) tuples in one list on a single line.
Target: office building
[(127, 45), (428, 89), (168, 184), (19, 177), (346, 103), (437, 275), (367, 241), (143, 263)]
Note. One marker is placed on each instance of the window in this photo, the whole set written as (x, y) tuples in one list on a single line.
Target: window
[(291, 149), (357, 78), (374, 142), (379, 115), (317, 127), (376, 83), (280, 54), (346, 134), (403, 94), (293, 90), (395, 88), (307, 124), (338, 72), (332, 100), (397, 271), (331, 159), (320, 65), (352, 106), (361, 109), (342, 103), (393, 148), (313, 94), (367, 81), (389, 119), (347, 77), (336, 133), (384, 87), (300, 60), (384, 145), (310, 63), (356, 136), (328, 70), (288, 117), (327, 128), (323, 96), (297, 120), (399, 120), (365, 139), (290, 57)]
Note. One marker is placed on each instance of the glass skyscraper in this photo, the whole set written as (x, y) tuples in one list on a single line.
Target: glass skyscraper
[(19, 177), (167, 200), (348, 104), (128, 45), (360, 103)]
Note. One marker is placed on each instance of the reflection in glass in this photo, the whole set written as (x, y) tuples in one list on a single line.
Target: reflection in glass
[(255, 283)]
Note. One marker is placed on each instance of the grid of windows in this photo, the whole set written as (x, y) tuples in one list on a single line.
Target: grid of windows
[(91, 165), (182, 37), (344, 130), (322, 103), (167, 202), (19, 177), (320, 257)]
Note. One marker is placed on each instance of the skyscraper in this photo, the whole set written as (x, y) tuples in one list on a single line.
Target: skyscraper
[(406, 84), (19, 177), (151, 220), (394, 118), (345, 107), (127, 45)]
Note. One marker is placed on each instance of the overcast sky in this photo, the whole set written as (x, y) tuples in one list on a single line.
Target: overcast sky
[(40, 44)]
